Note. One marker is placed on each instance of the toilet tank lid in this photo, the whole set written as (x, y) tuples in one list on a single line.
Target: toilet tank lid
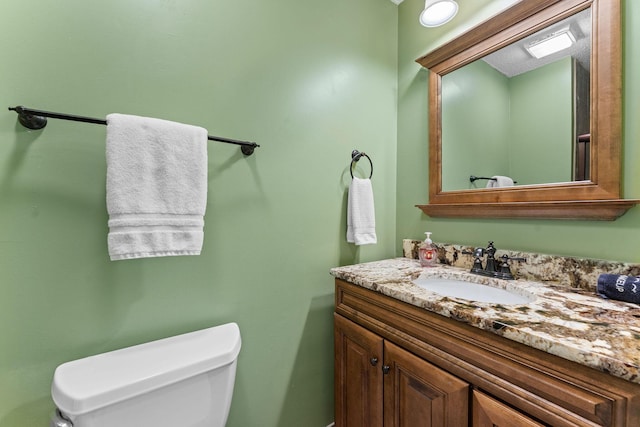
[(83, 385)]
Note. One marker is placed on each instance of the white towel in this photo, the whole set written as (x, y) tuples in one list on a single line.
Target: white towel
[(499, 181), (156, 187), (361, 221)]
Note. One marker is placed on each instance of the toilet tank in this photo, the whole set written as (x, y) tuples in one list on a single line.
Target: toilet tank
[(186, 380)]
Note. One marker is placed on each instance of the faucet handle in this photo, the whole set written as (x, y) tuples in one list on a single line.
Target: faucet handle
[(478, 253), (506, 257), (504, 272)]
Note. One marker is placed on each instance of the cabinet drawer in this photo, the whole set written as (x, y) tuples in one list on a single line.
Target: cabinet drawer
[(488, 412)]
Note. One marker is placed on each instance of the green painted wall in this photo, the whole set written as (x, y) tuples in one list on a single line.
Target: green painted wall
[(479, 143), (615, 240), (309, 81), (541, 124)]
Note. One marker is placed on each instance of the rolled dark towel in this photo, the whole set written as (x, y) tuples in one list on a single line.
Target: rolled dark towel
[(619, 287)]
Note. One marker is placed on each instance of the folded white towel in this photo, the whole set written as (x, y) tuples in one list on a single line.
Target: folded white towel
[(361, 221), (499, 181), (156, 187)]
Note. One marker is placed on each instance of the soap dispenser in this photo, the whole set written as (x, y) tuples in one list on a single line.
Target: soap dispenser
[(427, 252)]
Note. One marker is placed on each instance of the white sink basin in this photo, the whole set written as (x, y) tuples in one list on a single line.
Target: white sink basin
[(473, 291)]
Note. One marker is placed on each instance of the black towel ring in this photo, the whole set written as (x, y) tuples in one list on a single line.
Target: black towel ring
[(355, 156)]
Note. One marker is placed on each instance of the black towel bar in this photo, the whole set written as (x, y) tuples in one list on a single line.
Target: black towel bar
[(37, 119), (474, 178)]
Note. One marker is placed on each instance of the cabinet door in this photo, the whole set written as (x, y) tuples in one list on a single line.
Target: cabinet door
[(418, 394), (488, 412), (358, 375)]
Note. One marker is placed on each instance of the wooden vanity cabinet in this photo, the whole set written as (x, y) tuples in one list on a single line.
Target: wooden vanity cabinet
[(400, 365), (373, 374)]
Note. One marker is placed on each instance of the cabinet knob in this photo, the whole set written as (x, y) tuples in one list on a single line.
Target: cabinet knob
[(386, 369), (374, 361)]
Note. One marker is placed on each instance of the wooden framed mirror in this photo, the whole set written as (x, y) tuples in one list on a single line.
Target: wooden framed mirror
[(594, 195)]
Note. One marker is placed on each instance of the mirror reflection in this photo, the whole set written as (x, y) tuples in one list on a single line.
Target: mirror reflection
[(521, 112)]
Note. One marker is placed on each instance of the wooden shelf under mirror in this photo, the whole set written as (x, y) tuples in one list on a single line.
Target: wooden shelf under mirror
[(596, 198), (600, 210)]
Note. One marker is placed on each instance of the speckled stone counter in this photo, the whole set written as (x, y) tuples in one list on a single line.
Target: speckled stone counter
[(574, 324), (571, 272)]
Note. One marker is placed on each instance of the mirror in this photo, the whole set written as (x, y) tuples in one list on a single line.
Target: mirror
[(517, 109), (586, 184)]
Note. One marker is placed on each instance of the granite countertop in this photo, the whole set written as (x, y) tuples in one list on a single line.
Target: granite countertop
[(570, 323)]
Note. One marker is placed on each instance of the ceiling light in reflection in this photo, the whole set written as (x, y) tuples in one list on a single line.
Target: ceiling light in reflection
[(553, 43)]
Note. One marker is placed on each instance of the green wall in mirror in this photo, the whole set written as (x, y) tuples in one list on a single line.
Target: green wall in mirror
[(518, 126), (475, 125), (541, 132)]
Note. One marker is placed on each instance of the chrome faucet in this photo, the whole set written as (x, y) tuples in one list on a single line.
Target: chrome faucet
[(492, 267)]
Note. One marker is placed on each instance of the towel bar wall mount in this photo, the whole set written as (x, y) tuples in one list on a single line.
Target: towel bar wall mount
[(37, 119), (357, 155)]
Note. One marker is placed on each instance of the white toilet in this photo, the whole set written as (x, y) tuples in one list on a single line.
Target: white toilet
[(181, 381)]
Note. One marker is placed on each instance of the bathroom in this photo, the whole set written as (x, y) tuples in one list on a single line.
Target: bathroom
[(309, 82)]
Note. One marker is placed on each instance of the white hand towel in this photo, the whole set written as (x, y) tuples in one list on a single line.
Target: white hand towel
[(500, 181), (361, 221), (156, 187)]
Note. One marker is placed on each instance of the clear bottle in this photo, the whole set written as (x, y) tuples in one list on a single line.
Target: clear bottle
[(427, 252)]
